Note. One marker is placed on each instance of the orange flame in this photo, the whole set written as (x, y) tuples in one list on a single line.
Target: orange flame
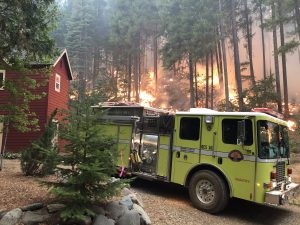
[(146, 99), (292, 125)]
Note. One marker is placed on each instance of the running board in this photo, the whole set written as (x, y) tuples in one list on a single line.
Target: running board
[(148, 176)]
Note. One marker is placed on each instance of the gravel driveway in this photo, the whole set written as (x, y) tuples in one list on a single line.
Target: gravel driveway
[(169, 204)]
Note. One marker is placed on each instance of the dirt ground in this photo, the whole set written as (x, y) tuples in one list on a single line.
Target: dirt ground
[(16, 190)]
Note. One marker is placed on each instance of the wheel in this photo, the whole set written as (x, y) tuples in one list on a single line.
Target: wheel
[(208, 192)]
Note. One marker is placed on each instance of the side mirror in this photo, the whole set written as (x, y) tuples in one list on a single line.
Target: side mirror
[(241, 132)]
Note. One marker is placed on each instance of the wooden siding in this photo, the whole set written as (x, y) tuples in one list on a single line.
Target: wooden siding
[(17, 141), (59, 100)]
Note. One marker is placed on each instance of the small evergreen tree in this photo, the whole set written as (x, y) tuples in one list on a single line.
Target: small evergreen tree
[(41, 157), (88, 163)]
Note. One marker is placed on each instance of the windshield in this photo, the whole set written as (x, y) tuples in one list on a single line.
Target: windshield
[(273, 140)]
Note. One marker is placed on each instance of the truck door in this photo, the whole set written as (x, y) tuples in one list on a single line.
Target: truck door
[(185, 146), (238, 156)]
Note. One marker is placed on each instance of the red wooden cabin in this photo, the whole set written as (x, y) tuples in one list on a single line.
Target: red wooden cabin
[(57, 96)]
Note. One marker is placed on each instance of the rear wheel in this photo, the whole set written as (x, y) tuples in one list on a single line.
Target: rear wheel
[(208, 191)]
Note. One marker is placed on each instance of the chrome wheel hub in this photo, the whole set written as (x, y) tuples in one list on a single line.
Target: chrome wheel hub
[(205, 191)]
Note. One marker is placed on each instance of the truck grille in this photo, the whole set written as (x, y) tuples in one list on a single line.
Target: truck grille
[(280, 174)]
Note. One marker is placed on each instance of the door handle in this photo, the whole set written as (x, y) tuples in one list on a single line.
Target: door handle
[(177, 154)]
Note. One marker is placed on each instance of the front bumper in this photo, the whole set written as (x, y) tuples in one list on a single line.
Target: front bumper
[(280, 197)]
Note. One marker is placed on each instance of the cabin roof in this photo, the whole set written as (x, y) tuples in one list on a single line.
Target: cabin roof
[(64, 54)]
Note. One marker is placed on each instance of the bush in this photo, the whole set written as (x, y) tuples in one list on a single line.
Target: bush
[(41, 157)]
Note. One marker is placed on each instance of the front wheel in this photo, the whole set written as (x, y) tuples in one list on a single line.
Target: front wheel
[(208, 192)]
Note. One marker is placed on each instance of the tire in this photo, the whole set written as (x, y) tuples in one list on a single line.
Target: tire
[(208, 192)]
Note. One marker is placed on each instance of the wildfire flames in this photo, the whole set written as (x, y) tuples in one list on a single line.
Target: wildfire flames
[(291, 125), (146, 98)]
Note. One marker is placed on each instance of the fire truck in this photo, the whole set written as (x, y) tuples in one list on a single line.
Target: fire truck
[(216, 155)]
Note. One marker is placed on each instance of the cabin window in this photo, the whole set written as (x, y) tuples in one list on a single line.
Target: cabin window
[(57, 82), (189, 128), (230, 129), (2, 79)]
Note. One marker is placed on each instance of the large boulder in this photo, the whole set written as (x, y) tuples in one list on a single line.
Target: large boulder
[(131, 217), (103, 220), (136, 199), (35, 217), (115, 210), (126, 200), (12, 217), (144, 216), (32, 207)]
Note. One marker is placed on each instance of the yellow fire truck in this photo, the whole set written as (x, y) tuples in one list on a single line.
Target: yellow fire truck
[(216, 155)]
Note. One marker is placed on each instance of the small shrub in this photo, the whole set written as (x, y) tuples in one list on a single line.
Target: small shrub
[(41, 157)]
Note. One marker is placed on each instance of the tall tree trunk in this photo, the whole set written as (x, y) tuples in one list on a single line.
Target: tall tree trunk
[(237, 63), (129, 78), (192, 91), (155, 53), (224, 57), (261, 17), (212, 81), (196, 84), (283, 58), (219, 67), (297, 14), (207, 81), (136, 76), (249, 40), (276, 61), (96, 65)]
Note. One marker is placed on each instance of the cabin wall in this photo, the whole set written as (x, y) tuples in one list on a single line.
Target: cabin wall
[(16, 141)]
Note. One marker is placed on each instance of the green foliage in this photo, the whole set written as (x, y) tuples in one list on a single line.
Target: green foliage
[(41, 157), (24, 29), (88, 163), (263, 94), (20, 94)]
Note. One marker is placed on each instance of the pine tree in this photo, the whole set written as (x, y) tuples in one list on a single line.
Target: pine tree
[(25, 27), (88, 162)]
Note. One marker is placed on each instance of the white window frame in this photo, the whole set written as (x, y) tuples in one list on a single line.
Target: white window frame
[(57, 82), (3, 72)]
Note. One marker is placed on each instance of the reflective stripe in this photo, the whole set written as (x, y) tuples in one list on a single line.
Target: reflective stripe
[(175, 148), (271, 160), (165, 147)]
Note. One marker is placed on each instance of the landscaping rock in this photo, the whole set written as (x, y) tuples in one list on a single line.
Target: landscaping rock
[(131, 217), (32, 207), (52, 208), (126, 191), (115, 210), (136, 199), (144, 216), (12, 217), (103, 220), (98, 210), (2, 213), (87, 221), (126, 200), (35, 217)]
